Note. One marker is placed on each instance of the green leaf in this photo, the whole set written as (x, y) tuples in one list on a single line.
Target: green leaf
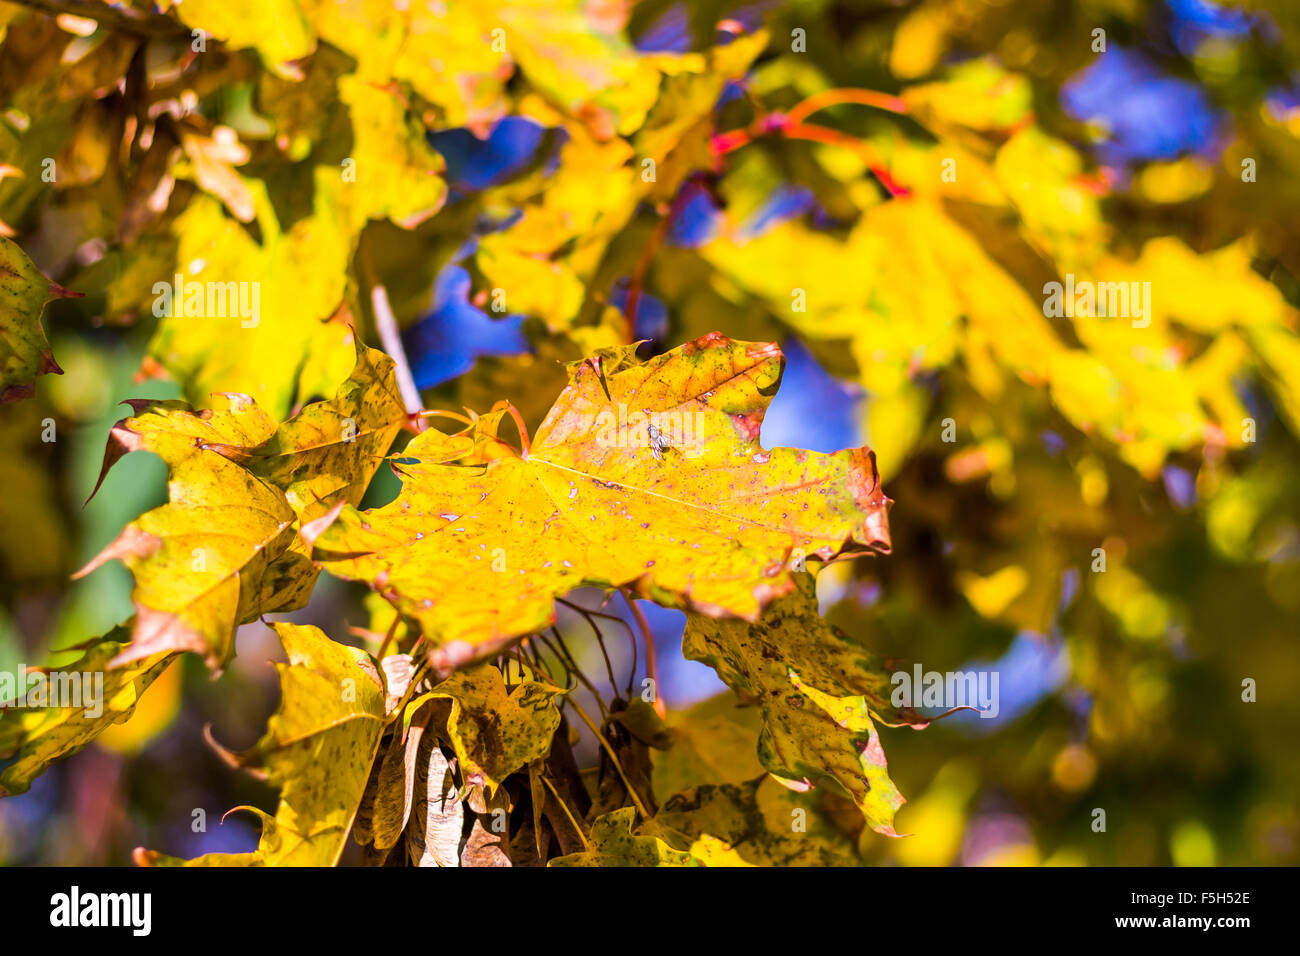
[(714, 742), (757, 823), (612, 843)]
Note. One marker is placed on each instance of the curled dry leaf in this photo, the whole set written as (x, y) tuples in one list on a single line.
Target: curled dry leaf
[(483, 848), (438, 815)]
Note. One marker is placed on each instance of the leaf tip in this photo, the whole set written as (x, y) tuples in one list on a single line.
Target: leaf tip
[(312, 530), (145, 858)]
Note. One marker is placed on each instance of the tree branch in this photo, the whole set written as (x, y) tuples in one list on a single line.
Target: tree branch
[(390, 336)]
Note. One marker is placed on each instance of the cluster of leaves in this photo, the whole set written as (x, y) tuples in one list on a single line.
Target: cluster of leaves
[(257, 509), (292, 145)]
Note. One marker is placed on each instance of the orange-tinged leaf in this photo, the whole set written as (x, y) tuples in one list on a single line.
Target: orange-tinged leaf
[(222, 551), (225, 548), (644, 473)]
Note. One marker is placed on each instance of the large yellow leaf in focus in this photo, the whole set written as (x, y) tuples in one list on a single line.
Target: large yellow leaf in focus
[(692, 510)]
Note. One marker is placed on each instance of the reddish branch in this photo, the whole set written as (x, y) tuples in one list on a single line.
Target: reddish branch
[(651, 656), (648, 254), (820, 101), (792, 125)]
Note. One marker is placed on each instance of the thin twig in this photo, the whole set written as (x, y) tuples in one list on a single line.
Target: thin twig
[(778, 125), (819, 101), (565, 807), (604, 652), (651, 656), (525, 441), (613, 757), (631, 677), (648, 254), (824, 134), (391, 338), (442, 413), (388, 638), (572, 667), (570, 681)]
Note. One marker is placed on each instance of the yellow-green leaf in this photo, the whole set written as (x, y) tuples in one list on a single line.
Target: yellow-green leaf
[(817, 693), (222, 551), (757, 823), (714, 742), (318, 748), (612, 843), (225, 549), (24, 352), (330, 450), (496, 729), (31, 738)]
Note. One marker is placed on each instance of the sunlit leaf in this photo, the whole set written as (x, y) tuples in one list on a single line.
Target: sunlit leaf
[(478, 553)]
